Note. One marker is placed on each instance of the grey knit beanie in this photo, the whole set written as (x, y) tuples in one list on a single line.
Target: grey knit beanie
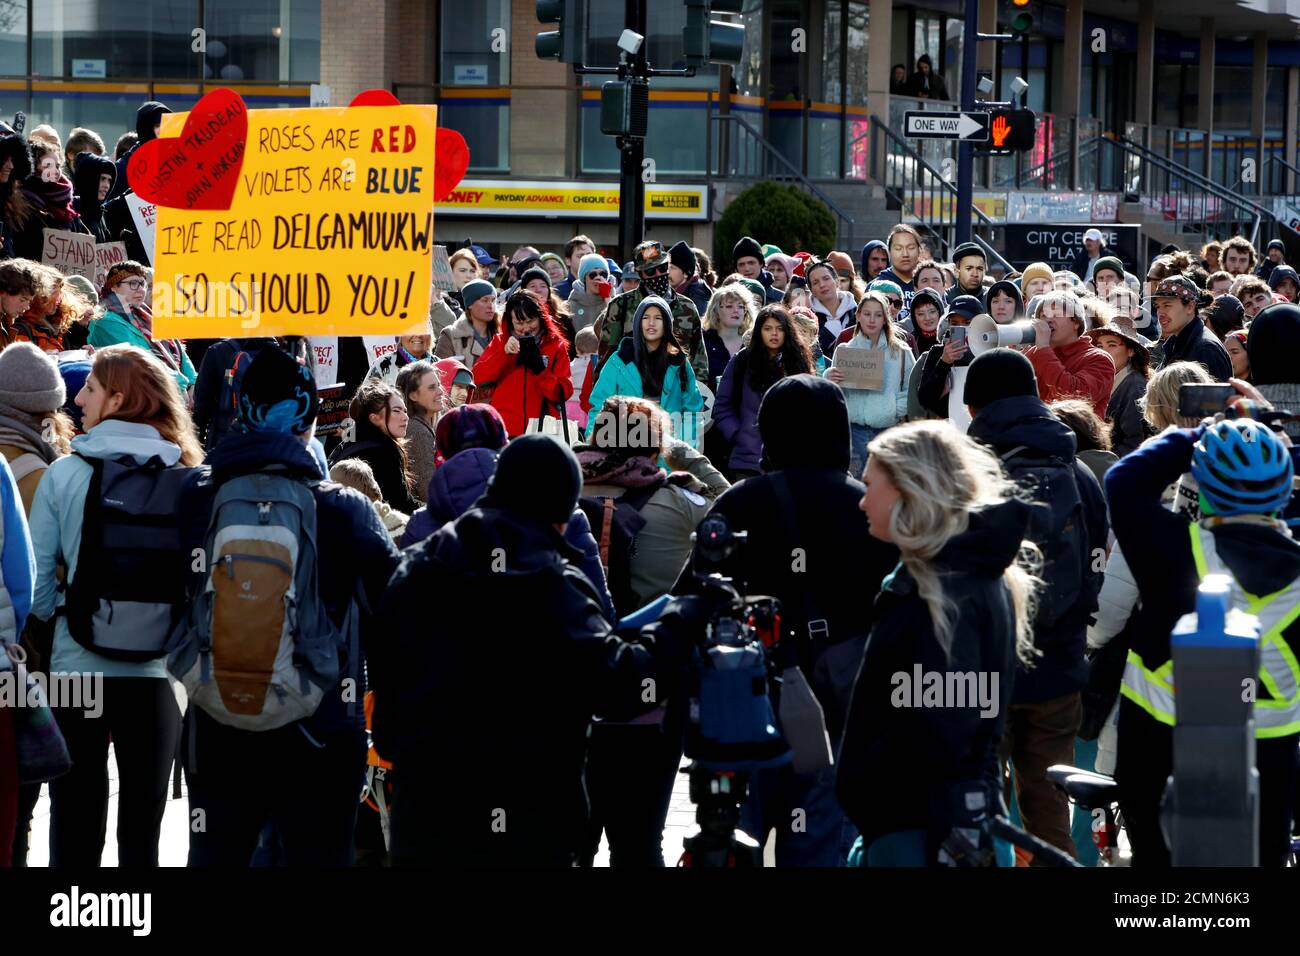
[(30, 379)]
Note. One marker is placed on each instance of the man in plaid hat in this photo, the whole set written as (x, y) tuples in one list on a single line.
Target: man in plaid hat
[(1182, 333), (650, 260)]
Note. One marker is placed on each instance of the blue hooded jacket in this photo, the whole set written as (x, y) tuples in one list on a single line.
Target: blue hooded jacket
[(461, 481)]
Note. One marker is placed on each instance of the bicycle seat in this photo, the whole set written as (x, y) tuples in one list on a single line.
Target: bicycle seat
[(1086, 788)]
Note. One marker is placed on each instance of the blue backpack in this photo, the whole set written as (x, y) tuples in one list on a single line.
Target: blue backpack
[(257, 649)]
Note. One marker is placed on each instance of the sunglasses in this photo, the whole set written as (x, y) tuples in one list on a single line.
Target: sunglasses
[(654, 272), (597, 274), (896, 303)]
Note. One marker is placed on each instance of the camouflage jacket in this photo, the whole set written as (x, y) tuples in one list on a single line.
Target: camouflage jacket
[(616, 322)]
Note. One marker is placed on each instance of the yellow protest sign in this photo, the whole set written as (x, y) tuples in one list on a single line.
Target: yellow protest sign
[(329, 231)]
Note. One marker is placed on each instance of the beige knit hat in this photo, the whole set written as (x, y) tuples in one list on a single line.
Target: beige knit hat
[(1035, 270)]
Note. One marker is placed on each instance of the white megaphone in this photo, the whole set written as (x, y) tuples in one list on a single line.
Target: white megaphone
[(986, 334)]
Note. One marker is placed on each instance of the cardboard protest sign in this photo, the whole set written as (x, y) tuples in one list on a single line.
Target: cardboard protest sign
[(145, 217), (72, 253), (443, 280), (862, 368), (290, 222), (107, 254)]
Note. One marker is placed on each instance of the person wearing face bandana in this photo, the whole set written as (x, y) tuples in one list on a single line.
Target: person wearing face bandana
[(651, 260)]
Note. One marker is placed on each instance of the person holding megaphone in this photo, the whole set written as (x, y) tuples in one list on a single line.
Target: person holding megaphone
[(1055, 340), (1065, 361)]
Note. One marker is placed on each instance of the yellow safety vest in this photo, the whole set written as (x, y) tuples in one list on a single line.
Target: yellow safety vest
[(1277, 705)]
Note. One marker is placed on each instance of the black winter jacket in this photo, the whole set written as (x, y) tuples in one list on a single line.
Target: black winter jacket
[(934, 379), (1128, 426), (1192, 343), (805, 436), (1025, 421), (899, 763), (494, 704)]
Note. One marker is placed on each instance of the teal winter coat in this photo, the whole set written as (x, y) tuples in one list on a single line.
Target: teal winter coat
[(620, 376)]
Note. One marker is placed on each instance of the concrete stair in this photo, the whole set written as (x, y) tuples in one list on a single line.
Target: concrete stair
[(866, 205)]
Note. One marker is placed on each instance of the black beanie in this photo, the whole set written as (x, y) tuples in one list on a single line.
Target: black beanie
[(999, 373), (537, 477), (746, 247), (536, 272), (278, 394), (680, 255)]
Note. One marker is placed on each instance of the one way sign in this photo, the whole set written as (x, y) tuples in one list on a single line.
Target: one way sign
[(921, 124)]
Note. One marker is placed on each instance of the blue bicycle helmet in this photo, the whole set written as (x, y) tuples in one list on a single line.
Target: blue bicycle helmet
[(1242, 468)]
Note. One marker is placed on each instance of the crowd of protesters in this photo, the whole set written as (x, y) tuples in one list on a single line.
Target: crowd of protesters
[(528, 470)]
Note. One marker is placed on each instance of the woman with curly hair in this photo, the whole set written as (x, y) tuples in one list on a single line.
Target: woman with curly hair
[(54, 309)]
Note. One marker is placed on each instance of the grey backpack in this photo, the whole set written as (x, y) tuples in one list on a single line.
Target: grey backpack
[(258, 650)]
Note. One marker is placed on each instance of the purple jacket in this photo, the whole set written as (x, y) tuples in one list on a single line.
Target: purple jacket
[(735, 414), (460, 482)]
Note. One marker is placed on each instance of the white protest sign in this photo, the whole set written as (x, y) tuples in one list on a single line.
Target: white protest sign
[(325, 352), (957, 413), (145, 216)]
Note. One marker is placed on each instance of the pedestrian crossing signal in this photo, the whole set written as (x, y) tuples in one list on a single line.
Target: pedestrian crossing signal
[(1011, 131)]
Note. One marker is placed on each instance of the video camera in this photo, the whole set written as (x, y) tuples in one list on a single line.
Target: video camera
[(732, 725)]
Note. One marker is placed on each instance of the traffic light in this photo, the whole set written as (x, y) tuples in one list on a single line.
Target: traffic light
[(1023, 21), (625, 107), (1011, 131), (712, 41), (568, 42)]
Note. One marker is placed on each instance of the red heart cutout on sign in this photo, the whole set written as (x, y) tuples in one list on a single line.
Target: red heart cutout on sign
[(200, 168), (451, 152), (453, 160), (375, 98)]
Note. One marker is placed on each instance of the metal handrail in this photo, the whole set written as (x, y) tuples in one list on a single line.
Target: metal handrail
[(1206, 186), (771, 152), (1271, 158), (1198, 179)]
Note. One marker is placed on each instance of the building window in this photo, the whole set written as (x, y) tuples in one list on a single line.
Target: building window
[(115, 38), (475, 99), (277, 40), (13, 38)]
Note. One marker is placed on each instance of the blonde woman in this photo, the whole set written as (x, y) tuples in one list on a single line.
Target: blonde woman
[(726, 322), (871, 411), (959, 607), (1160, 406)]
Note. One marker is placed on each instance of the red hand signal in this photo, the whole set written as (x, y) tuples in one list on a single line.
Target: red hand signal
[(1001, 130)]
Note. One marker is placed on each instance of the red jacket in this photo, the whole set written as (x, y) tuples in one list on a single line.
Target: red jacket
[(1077, 370), (518, 392)]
